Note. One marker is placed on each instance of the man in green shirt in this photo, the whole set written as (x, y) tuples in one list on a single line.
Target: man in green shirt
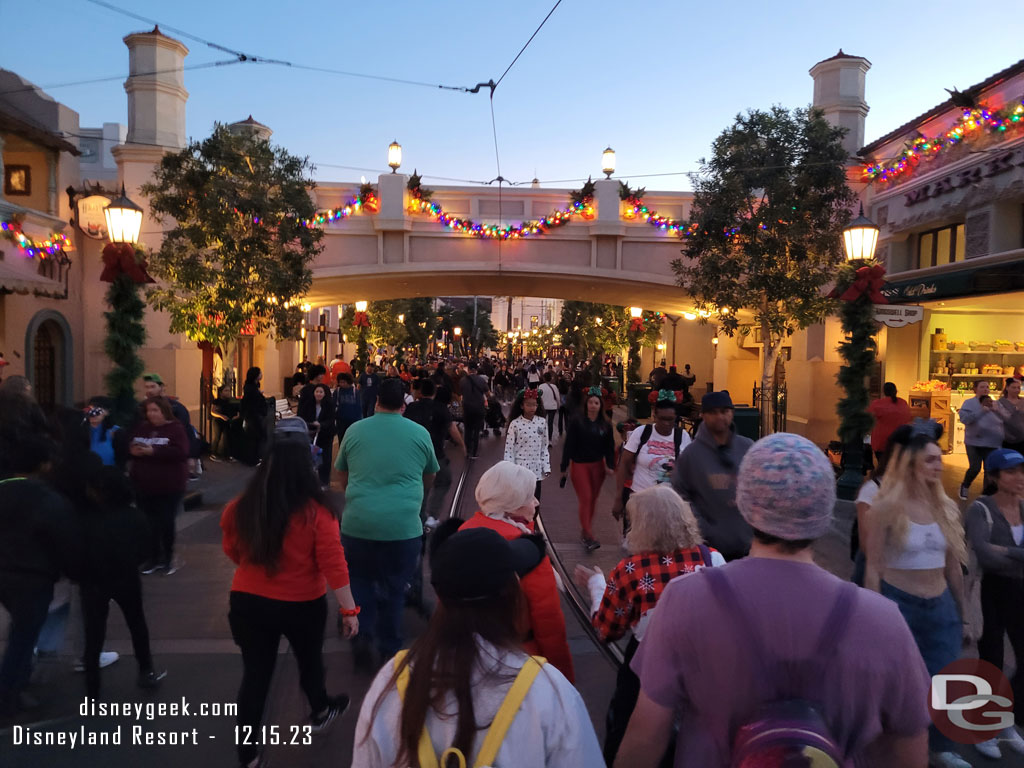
[(386, 463)]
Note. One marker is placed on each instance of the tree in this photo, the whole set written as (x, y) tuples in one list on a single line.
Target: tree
[(600, 329), (238, 257), (765, 227)]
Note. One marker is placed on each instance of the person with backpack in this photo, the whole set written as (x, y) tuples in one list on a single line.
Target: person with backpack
[(649, 456), (473, 390), (589, 456), (705, 475), (769, 655), (550, 398), (664, 543), (995, 530), (915, 551), (465, 693)]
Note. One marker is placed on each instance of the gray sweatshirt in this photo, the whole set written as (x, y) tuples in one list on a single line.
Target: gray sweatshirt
[(705, 475), (984, 427), (1013, 420), (982, 535)]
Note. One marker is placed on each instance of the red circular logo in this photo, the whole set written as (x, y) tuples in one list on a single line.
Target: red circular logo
[(970, 701)]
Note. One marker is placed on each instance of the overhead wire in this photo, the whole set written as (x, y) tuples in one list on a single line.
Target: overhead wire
[(110, 78)]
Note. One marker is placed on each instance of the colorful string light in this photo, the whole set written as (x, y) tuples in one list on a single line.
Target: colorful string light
[(51, 246), (973, 123), (495, 231)]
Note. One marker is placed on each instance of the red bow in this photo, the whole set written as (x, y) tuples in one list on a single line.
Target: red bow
[(360, 320), (530, 394), (869, 283), (120, 259), (637, 324)]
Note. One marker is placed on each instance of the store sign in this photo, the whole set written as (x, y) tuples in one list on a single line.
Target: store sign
[(898, 315), (90, 217), (1001, 163)]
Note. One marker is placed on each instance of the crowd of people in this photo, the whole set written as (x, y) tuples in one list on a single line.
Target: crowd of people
[(740, 646)]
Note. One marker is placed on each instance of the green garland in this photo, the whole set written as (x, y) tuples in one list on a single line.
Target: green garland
[(126, 333), (858, 350)]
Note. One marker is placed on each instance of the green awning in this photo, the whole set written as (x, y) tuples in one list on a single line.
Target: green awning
[(998, 278)]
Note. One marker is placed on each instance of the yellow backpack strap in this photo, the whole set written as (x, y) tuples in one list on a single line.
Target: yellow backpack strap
[(428, 758), (508, 711)]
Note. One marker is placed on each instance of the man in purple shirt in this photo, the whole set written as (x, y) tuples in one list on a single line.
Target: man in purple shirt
[(872, 690)]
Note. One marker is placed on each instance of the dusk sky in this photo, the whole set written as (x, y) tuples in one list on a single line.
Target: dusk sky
[(655, 80)]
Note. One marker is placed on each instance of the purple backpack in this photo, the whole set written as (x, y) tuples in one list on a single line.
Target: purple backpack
[(787, 730)]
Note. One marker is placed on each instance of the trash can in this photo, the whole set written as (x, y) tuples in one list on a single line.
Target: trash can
[(637, 405), (747, 421), (612, 384)]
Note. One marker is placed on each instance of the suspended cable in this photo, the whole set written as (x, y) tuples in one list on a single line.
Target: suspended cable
[(557, 3), (110, 78)]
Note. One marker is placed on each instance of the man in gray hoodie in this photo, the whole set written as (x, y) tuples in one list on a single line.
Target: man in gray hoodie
[(705, 475)]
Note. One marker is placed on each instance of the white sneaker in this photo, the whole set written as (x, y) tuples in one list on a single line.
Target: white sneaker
[(106, 659), (625, 544), (431, 523), (1013, 739), (990, 748), (948, 760)]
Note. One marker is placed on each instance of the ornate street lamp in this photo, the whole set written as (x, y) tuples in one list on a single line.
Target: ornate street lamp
[(860, 238), (361, 322), (124, 220), (394, 155), (608, 162)]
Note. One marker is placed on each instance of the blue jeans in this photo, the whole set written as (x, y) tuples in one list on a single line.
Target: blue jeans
[(379, 572), (938, 631)]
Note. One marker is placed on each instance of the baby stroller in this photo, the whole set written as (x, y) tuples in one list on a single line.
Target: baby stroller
[(494, 419)]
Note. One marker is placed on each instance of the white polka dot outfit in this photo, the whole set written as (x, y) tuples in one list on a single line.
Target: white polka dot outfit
[(526, 444)]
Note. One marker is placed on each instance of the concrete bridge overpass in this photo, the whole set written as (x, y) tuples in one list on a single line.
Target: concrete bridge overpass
[(398, 254)]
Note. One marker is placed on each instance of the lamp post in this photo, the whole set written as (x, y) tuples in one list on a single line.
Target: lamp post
[(126, 332), (608, 162), (856, 313), (362, 322), (457, 332), (636, 327), (394, 156)]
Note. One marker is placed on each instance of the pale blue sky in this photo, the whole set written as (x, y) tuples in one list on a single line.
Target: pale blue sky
[(656, 80)]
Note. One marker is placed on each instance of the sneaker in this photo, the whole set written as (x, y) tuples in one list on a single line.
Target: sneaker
[(216, 458), (591, 544), (335, 708), (948, 760), (430, 523), (151, 679), (990, 748), (625, 544), (963, 493), (173, 567), (1013, 740), (150, 567), (106, 659)]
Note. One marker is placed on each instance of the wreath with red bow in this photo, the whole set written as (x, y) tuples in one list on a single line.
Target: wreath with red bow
[(122, 259), (868, 282)]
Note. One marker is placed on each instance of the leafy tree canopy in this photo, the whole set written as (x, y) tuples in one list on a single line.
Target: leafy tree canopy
[(767, 218), (238, 256)]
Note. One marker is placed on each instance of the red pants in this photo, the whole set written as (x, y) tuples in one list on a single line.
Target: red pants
[(587, 479)]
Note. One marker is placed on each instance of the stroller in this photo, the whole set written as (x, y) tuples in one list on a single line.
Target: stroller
[(494, 419)]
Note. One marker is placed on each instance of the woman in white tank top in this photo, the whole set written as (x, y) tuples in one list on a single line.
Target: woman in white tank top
[(914, 545)]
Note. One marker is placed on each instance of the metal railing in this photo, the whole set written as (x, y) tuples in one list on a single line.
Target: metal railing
[(776, 400)]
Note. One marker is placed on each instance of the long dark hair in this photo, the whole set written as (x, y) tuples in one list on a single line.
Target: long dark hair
[(252, 377), (284, 484), (889, 390), (601, 417), (442, 661)]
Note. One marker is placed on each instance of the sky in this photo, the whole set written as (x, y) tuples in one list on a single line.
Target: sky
[(655, 80)]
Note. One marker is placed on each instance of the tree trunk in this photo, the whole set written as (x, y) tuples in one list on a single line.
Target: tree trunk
[(772, 347)]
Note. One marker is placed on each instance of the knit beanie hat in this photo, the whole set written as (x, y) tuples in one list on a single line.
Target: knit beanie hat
[(786, 488)]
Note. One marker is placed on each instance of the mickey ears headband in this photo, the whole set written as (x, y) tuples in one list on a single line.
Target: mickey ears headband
[(529, 394), (594, 391), (926, 427)]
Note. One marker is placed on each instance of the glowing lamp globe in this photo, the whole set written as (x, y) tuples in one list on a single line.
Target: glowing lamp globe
[(457, 330), (860, 238), (608, 162), (401, 319), (394, 155), (124, 220), (636, 312), (361, 306)]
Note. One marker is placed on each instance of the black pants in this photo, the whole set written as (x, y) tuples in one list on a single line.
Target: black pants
[(620, 709), (96, 597), (474, 422), (161, 509), (1002, 599), (976, 455), (26, 598), (551, 424), (563, 419), (221, 444), (257, 624)]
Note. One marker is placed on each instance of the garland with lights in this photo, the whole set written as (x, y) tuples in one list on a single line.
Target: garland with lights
[(973, 123), (51, 246)]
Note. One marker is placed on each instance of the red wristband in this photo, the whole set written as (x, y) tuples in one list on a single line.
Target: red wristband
[(346, 614)]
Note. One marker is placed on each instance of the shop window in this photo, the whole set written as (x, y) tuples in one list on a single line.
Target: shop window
[(941, 246)]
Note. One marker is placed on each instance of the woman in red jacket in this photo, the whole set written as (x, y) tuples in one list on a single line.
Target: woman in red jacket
[(890, 413), (505, 494), (285, 541), (159, 472)]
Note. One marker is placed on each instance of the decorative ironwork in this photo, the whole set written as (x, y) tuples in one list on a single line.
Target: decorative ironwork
[(775, 400)]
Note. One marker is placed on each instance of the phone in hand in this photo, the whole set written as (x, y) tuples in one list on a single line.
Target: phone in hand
[(561, 483)]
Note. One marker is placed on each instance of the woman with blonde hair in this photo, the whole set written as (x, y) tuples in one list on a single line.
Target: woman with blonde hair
[(505, 494), (664, 541), (915, 549)]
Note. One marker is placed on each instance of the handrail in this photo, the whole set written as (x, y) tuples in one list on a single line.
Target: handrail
[(457, 498), (611, 652)]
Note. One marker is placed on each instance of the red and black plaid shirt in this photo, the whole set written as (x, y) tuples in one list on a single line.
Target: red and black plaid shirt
[(635, 585)]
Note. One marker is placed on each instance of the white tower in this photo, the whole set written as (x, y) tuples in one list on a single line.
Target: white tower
[(839, 92)]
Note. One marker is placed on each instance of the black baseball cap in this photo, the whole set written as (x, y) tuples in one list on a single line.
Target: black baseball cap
[(713, 400), (477, 563)]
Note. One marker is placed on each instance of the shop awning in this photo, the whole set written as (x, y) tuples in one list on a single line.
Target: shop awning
[(16, 281), (998, 278)]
